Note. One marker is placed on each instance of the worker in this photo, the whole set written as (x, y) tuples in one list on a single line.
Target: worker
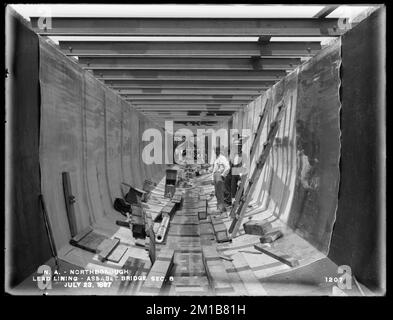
[(220, 171), (234, 175)]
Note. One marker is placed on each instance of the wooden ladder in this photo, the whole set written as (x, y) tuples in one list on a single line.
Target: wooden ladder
[(243, 200), (262, 120)]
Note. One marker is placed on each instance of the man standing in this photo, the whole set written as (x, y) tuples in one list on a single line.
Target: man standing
[(220, 171)]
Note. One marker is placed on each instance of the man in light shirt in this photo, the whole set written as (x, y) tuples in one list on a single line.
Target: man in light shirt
[(220, 171)]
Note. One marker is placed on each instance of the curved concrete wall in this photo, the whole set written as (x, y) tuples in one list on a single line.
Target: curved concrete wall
[(90, 132), (299, 183)]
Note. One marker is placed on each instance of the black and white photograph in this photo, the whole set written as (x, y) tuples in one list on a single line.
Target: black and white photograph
[(210, 150)]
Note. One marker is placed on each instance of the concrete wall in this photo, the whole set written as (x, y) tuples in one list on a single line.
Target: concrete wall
[(90, 132), (359, 233)]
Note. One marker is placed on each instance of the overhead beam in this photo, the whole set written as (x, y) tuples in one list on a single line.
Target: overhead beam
[(206, 75), (88, 26), (324, 12), (188, 49), (188, 97), (189, 84), (163, 117), (189, 91), (125, 63)]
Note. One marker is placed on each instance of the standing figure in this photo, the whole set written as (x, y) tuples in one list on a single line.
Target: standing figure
[(220, 171)]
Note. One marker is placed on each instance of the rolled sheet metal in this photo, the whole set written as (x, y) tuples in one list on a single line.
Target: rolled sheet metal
[(163, 228)]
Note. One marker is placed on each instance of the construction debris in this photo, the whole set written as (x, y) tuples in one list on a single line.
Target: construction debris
[(271, 236)]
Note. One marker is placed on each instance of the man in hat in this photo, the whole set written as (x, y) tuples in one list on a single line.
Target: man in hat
[(220, 171), (235, 171)]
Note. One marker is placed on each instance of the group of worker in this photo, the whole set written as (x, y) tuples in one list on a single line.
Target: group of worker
[(226, 177)]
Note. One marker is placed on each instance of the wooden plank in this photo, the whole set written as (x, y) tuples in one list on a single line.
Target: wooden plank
[(278, 255), (135, 267), (257, 227), (271, 236), (223, 75), (202, 210), (325, 11), (178, 49), (206, 84), (123, 223), (81, 235), (106, 247), (216, 272), (241, 209), (90, 242), (220, 230), (184, 220), (69, 203), (250, 281), (159, 272), (118, 253)]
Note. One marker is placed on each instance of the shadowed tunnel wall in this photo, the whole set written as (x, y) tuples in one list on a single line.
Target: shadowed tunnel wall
[(359, 233), (61, 119), (340, 212), (90, 132)]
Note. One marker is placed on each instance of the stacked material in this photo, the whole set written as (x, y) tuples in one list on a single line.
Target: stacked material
[(219, 280), (220, 230), (170, 183), (138, 222), (159, 272), (202, 208)]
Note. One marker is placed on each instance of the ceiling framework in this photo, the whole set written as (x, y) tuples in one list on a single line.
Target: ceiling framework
[(198, 82)]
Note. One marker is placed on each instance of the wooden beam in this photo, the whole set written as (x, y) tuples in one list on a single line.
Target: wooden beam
[(127, 63), (325, 11), (188, 49), (207, 75), (136, 98), (88, 26), (190, 91), (187, 102), (188, 84)]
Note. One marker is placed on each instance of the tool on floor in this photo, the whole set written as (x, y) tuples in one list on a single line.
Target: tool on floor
[(243, 180), (49, 231), (240, 209)]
